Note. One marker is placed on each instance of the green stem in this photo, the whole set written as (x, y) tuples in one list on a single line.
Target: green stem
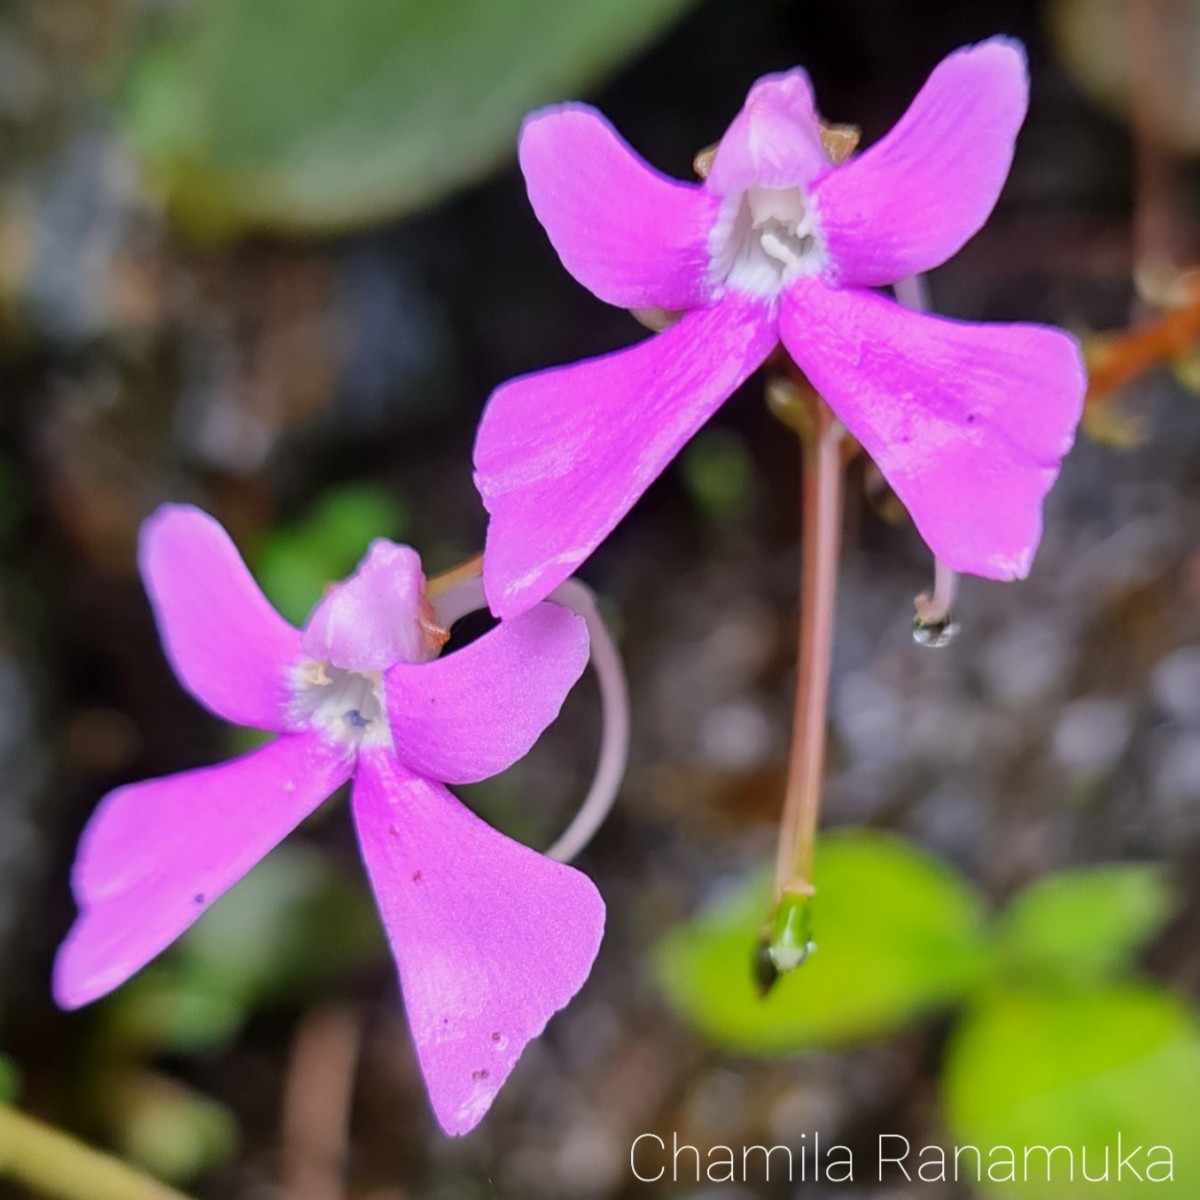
[(55, 1164)]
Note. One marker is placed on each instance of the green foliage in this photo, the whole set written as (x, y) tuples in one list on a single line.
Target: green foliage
[(283, 933), (291, 924), (296, 562), (897, 934), (1083, 924), (306, 115), (1053, 1048), (1033, 1068)]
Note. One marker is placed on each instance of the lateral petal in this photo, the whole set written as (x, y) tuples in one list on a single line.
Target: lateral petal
[(226, 643), (968, 422), (915, 197), (156, 854), (490, 937), (562, 455), (471, 714), (631, 236)]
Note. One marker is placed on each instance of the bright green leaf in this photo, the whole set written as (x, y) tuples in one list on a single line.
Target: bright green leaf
[(897, 934), (1083, 924), (1074, 1069), (302, 115), (296, 563)]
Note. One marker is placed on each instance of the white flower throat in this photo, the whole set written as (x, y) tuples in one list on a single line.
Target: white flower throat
[(763, 239), (347, 706)]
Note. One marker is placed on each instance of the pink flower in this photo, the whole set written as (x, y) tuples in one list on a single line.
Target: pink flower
[(968, 422), (491, 937)]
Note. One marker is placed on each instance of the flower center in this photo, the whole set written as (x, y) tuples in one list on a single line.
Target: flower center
[(763, 239), (347, 706)]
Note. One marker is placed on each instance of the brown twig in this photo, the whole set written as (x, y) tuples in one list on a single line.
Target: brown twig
[(1117, 359), (316, 1106)]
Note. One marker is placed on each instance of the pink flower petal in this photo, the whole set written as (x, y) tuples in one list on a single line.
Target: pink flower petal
[(967, 422), (631, 236), (471, 714), (373, 619), (155, 855), (774, 142), (491, 938), (914, 198), (226, 643), (562, 455)]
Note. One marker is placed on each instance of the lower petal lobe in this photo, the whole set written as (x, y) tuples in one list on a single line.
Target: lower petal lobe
[(562, 455), (491, 938), (968, 422), (155, 855)]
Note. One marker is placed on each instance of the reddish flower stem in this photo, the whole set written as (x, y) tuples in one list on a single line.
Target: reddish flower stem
[(820, 544)]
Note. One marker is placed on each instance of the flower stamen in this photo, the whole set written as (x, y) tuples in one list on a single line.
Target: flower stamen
[(765, 238), (346, 705)]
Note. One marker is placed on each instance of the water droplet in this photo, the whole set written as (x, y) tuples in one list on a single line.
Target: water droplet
[(935, 634)]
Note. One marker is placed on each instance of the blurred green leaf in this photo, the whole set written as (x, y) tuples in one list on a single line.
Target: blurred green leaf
[(1031, 1068), (897, 934), (1084, 924), (296, 562), (10, 1080), (173, 1132), (718, 470), (287, 928), (302, 115), (161, 1008), (286, 932)]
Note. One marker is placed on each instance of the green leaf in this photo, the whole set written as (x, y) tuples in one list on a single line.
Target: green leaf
[(295, 563), (306, 115), (1083, 924), (1074, 1069), (897, 934)]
